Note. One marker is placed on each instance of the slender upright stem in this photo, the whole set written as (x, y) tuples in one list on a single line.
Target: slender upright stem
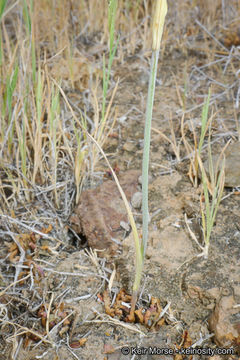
[(158, 23), (146, 151)]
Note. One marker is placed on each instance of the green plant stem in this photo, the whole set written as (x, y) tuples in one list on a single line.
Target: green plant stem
[(146, 151), (3, 4)]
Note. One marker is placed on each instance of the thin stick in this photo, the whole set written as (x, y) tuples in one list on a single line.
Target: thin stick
[(48, 316), (13, 284)]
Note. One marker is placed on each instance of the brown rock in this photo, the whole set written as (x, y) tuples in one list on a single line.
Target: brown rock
[(224, 322), (101, 210), (232, 165)]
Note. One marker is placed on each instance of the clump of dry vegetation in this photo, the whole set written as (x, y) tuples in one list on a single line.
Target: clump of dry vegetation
[(45, 154)]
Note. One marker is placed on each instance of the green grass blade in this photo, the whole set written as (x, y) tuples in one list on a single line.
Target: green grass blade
[(3, 4), (204, 120), (27, 18)]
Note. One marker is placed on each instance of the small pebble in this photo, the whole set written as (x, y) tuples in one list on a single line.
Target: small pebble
[(125, 225), (136, 200), (150, 179), (129, 147)]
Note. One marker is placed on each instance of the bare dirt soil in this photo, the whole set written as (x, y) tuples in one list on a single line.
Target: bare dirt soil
[(201, 297)]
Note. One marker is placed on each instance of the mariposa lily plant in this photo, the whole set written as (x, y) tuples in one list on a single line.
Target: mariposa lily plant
[(157, 31)]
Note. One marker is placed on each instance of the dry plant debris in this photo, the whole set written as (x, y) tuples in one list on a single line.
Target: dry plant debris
[(232, 38), (78, 69), (150, 316), (23, 252)]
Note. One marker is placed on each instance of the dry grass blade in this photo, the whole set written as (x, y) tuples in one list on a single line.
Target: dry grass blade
[(25, 330), (13, 284), (109, 320), (172, 141), (193, 236), (48, 315)]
